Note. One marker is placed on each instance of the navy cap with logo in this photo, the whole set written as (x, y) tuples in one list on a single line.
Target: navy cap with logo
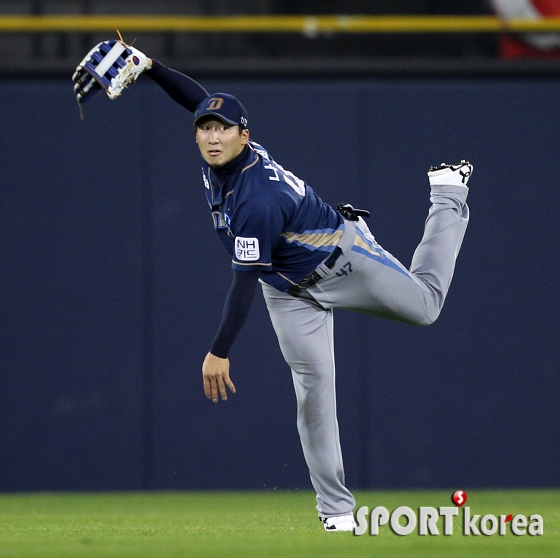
[(223, 106)]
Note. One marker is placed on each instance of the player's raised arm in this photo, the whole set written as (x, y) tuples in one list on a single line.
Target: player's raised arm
[(181, 88)]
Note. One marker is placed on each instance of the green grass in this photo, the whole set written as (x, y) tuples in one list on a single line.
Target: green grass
[(252, 524)]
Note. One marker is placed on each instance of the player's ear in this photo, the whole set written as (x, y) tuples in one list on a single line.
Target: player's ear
[(244, 136)]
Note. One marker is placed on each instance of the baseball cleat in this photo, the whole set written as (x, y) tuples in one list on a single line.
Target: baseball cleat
[(450, 175), (338, 523)]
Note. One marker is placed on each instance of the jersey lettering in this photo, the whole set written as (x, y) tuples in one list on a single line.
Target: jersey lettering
[(275, 177), (219, 220), (296, 184), (206, 183), (262, 153)]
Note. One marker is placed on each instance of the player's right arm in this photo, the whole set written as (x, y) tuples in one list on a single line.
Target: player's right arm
[(181, 88), (215, 369), (256, 224)]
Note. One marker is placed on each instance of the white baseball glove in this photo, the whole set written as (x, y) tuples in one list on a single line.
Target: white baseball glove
[(110, 65)]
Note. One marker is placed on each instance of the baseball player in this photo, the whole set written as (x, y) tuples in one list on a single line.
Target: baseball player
[(309, 259)]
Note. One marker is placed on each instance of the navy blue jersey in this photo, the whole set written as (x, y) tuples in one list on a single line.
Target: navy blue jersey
[(269, 219)]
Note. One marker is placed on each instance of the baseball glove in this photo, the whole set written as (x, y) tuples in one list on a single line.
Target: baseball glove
[(109, 66)]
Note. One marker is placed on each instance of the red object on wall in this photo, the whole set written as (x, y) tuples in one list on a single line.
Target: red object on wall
[(515, 46), (550, 8)]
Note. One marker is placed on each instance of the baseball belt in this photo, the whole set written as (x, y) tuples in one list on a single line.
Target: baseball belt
[(324, 268)]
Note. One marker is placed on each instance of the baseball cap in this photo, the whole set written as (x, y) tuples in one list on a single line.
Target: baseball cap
[(225, 107)]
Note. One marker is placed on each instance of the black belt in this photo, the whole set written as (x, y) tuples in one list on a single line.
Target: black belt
[(315, 276), (321, 271)]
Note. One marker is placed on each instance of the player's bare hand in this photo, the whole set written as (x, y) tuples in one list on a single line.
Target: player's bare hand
[(215, 375)]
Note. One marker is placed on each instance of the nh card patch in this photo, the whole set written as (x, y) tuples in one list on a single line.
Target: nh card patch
[(247, 249)]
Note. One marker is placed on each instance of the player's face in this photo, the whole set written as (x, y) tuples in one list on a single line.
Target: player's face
[(219, 142)]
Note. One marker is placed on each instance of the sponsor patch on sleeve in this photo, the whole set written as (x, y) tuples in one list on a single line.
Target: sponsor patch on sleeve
[(247, 249)]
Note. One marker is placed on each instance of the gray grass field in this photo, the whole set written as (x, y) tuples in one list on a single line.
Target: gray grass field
[(253, 524)]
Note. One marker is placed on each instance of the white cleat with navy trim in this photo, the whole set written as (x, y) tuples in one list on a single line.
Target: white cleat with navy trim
[(450, 175), (339, 523)]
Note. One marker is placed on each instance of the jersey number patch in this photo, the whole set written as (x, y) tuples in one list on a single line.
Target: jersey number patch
[(343, 272), (247, 249)]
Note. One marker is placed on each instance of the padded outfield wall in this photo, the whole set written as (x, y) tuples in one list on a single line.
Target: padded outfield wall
[(113, 281)]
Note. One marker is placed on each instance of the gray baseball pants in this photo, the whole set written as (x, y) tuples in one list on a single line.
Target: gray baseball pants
[(366, 279)]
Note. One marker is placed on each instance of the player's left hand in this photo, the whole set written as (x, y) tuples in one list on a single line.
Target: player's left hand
[(215, 375)]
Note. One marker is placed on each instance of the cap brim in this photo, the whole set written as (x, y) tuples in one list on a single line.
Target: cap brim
[(218, 116)]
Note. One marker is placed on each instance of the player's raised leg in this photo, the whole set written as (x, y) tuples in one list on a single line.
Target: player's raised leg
[(369, 279), (434, 258), (305, 334)]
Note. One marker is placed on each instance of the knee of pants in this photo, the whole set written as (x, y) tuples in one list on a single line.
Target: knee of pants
[(308, 362), (313, 378), (416, 317), (307, 354), (433, 303), (428, 320), (420, 316), (431, 315)]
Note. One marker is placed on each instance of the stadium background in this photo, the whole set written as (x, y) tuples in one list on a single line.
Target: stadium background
[(113, 280)]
